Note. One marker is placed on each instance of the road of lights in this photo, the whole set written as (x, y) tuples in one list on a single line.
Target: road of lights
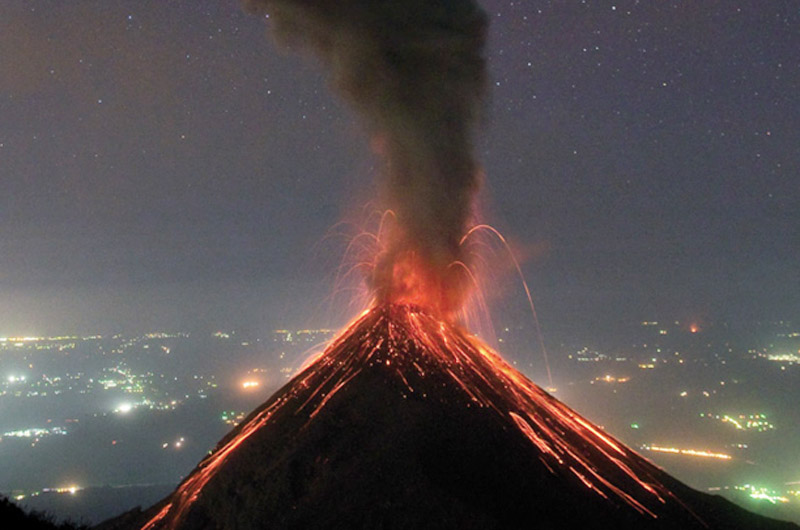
[(687, 452), (35, 432), (785, 357), (610, 379), (71, 490)]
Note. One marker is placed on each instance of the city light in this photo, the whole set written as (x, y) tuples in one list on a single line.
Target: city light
[(232, 417), (124, 408), (177, 444)]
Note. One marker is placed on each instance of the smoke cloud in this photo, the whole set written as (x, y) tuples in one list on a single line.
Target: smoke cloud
[(414, 70)]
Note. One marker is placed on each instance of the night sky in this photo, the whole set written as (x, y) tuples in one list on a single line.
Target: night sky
[(165, 165)]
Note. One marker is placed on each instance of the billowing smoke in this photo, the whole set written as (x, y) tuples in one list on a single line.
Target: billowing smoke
[(415, 72)]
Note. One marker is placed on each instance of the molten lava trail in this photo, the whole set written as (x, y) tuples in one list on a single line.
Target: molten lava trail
[(414, 345)]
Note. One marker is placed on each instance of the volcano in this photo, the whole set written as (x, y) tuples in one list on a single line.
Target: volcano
[(407, 421)]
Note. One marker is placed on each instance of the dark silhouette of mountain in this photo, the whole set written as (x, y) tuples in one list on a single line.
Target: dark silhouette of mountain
[(409, 422), (12, 517)]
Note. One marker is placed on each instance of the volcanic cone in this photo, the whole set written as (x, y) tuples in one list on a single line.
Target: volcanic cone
[(407, 421)]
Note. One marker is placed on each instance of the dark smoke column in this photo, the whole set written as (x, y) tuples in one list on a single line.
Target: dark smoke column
[(415, 72)]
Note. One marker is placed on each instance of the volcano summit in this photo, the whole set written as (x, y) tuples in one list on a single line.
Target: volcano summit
[(406, 421)]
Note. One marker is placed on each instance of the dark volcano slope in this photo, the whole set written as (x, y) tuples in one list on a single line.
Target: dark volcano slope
[(407, 422)]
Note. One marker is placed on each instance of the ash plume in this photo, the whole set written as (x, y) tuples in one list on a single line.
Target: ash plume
[(414, 71)]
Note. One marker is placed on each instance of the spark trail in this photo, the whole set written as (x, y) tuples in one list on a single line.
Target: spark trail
[(415, 73)]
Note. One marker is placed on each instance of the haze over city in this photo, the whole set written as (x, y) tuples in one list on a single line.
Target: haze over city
[(175, 184)]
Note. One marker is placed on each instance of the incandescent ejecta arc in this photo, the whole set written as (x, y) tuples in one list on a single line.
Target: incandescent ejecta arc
[(414, 70)]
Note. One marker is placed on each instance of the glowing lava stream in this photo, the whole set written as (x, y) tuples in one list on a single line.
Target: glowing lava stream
[(410, 344)]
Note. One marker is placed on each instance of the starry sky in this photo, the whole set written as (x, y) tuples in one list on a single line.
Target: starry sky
[(165, 164)]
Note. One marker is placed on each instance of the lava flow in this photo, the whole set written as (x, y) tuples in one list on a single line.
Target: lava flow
[(397, 357)]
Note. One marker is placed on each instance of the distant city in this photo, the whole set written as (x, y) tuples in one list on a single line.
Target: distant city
[(94, 425)]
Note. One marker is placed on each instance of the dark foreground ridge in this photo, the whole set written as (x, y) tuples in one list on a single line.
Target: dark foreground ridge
[(408, 422), (12, 517)]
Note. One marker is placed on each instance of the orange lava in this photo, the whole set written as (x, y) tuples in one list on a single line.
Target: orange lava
[(408, 278)]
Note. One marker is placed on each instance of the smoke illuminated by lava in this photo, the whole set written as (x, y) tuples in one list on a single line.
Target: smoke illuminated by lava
[(414, 70)]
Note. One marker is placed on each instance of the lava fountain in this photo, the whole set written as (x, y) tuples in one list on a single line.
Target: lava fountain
[(415, 73)]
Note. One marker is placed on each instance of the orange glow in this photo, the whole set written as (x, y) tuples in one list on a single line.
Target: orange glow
[(251, 384), (409, 278), (411, 345), (380, 266), (694, 328)]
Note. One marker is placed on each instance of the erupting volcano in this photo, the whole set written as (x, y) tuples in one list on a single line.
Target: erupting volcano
[(407, 421)]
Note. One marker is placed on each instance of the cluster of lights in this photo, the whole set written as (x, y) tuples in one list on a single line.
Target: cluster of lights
[(762, 494), (124, 379), (162, 335), (16, 340), (44, 385), (785, 357), (743, 422), (303, 335), (232, 417), (586, 354), (35, 432), (177, 444), (59, 338), (161, 405), (611, 379), (43, 343), (72, 490)]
